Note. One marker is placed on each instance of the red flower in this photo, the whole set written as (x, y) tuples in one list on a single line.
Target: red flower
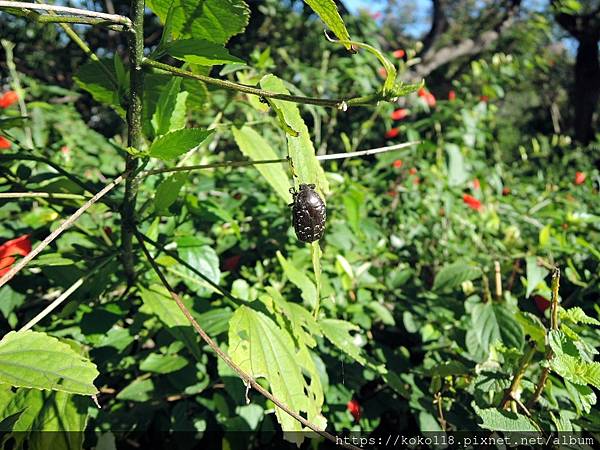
[(392, 133), (19, 246), (399, 53), (354, 408), (8, 99), (392, 193), (399, 114), (416, 181), (452, 95), (579, 177), (542, 303), (397, 164), (65, 150), (476, 184), (427, 96), (484, 98), (231, 263), (412, 170), (505, 190), (376, 15), (472, 202), (4, 143), (382, 72)]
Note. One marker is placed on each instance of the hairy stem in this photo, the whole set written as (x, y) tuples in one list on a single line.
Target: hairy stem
[(134, 135), (539, 388), (226, 84), (248, 379)]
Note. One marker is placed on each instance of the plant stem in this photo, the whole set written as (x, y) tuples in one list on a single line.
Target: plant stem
[(539, 388), (511, 392), (114, 18), (371, 151), (134, 135), (248, 379), (56, 195), (226, 84), (62, 227), (48, 18)]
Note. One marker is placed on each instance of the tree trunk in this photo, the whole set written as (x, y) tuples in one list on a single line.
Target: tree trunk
[(587, 88)]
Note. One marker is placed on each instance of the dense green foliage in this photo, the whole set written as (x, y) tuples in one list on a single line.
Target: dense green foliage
[(430, 292)]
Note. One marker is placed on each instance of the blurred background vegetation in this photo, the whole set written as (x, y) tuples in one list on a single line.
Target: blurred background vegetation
[(506, 172)]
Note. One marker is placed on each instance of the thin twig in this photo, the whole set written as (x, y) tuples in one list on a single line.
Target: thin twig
[(62, 227), (115, 18), (56, 195), (66, 294), (511, 392), (52, 306), (539, 388), (49, 18), (371, 151), (248, 379), (184, 263), (226, 84)]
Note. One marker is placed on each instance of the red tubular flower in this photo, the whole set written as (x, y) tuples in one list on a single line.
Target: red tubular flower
[(19, 246), (412, 170), (430, 99), (399, 114), (399, 53), (476, 184), (4, 143), (8, 98), (505, 190), (472, 202), (392, 133), (231, 263), (542, 303), (382, 72), (484, 98), (422, 92), (452, 95), (354, 408), (397, 164), (579, 177)]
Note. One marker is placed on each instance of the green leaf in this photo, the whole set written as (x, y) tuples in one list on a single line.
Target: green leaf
[(382, 312), (457, 172), (535, 274), (201, 52), (160, 303), (328, 12), (168, 190), (213, 20), (93, 79), (577, 315), (264, 350), (201, 256), (170, 108), (338, 333), (158, 363), (493, 322), (139, 390), (255, 147), (176, 143), (36, 360), (48, 420), (452, 276), (567, 361), (13, 122), (499, 420), (300, 279), (300, 148)]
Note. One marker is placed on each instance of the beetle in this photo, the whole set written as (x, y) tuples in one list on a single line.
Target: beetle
[(308, 213)]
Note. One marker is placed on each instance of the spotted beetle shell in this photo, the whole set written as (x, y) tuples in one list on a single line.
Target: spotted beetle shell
[(308, 213)]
